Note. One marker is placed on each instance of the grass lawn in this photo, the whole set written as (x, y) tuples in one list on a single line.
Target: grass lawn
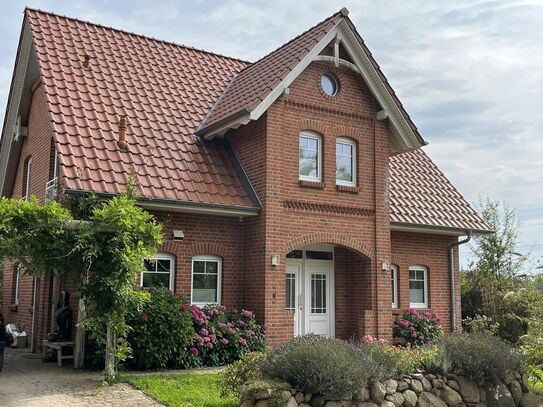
[(182, 390)]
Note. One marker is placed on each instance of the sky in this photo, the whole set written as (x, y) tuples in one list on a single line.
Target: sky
[(469, 72)]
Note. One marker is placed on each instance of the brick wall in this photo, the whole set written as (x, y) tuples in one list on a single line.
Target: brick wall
[(430, 251), (38, 146)]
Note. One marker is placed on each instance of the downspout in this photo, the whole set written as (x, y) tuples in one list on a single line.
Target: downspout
[(451, 275)]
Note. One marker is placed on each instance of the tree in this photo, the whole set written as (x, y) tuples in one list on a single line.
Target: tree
[(497, 254), (105, 250)]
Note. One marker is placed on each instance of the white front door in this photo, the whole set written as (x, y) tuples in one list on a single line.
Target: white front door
[(318, 301), (310, 294)]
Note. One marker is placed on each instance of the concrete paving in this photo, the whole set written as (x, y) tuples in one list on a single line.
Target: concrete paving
[(27, 382)]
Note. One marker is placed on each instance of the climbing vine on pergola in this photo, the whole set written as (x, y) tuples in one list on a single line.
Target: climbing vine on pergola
[(105, 246)]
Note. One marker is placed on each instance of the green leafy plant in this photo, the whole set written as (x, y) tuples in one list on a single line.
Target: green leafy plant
[(160, 331), (479, 356), (418, 327), (480, 324), (321, 365), (240, 372)]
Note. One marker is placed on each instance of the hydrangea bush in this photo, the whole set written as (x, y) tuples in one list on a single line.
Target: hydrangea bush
[(418, 327), (223, 336)]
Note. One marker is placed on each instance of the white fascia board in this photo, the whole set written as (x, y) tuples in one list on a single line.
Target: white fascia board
[(198, 209), (378, 88), (219, 131), (434, 230), (12, 109), (285, 83)]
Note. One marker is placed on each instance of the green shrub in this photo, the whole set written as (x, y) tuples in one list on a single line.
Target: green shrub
[(480, 324), (479, 356), (395, 361), (161, 330), (418, 327), (321, 365), (240, 372)]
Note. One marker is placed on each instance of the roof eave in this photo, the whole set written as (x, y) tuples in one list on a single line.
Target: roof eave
[(435, 229), (404, 136), (174, 205)]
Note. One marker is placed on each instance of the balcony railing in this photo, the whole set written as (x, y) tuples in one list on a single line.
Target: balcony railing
[(51, 189)]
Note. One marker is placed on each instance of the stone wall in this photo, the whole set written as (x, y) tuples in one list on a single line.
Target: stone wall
[(416, 390)]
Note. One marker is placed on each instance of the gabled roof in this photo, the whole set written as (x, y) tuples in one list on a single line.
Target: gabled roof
[(258, 85), (163, 89), (166, 91), (421, 195)]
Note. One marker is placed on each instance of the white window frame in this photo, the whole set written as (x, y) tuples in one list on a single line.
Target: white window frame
[(350, 142), (163, 256), (394, 277), (206, 257), (314, 136), (26, 197), (17, 285), (425, 273)]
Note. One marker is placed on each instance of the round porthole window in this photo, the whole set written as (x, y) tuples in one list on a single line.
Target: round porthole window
[(329, 85)]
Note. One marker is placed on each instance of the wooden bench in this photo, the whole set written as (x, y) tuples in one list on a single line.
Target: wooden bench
[(58, 346)]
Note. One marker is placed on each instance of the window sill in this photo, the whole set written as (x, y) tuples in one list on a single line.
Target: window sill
[(13, 307), (419, 306), (346, 188), (311, 184)]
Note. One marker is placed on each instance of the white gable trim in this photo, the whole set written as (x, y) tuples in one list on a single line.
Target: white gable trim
[(12, 110), (403, 137)]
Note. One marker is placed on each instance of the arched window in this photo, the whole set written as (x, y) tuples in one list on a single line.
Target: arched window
[(158, 271), (345, 162), (394, 284), (206, 280), (418, 287), (26, 178), (310, 156)]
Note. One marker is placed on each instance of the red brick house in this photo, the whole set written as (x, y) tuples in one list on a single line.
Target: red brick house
[(294, 186)]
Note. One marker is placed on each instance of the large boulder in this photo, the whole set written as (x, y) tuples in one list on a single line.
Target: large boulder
[(468, 389), (498, 395), (416, 386), (396, 398), (516, 391), (390, 386), (450, 396), (427, 399), (410, 398), (530, 400), (292, 402), (377, 391)]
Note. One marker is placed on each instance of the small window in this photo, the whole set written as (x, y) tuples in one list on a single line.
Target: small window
[(394, 285), (329, 85), (319, 255), (345, 162), (418, 287), (26, 178), (290, 292), (206, 280), (310, 157), (17, 288), (158, 272)]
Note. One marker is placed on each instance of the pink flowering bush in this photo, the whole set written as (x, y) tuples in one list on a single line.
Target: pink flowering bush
[(418, 327), (223, 336)]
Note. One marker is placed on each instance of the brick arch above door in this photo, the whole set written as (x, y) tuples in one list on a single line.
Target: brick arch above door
[(332, 238)]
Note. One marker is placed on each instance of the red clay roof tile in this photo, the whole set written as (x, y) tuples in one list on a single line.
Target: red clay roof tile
[(420, 194), (165, 90)]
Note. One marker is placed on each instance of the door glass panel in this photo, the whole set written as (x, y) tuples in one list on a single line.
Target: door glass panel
[(290, 292), (318, 294), (319, 255)]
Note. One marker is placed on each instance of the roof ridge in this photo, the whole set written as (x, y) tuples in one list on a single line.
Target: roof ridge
[(344, 12), (135, 34)]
